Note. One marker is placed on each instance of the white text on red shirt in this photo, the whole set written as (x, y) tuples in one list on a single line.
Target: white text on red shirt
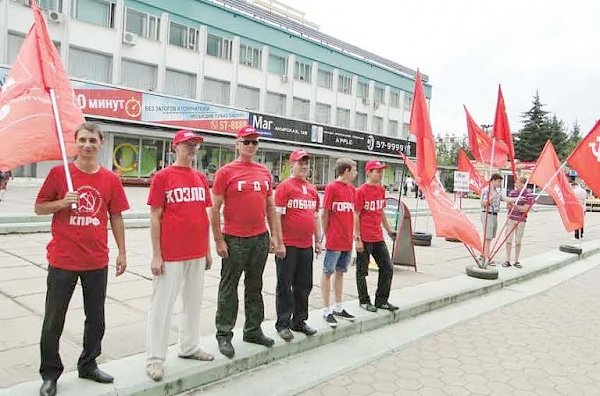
[(302, 204), (186, 194), (374, 205), (342, 207)]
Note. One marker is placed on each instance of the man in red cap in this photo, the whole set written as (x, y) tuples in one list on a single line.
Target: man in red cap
[(368, 219), (244, 188), (297, 205), (337, 220), (179, 198)]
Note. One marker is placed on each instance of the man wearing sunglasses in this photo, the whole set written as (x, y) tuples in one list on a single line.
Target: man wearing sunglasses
[(244, 188)]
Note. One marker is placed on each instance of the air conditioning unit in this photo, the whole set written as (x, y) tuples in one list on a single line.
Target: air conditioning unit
[(56, 17), (284, 78), (130, 38), (365, 101)]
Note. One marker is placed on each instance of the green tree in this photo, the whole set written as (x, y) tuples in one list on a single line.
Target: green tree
[(573, 139), (538, 127), (447, 156)]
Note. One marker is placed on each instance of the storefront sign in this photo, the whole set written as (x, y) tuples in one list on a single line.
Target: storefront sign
[(461, 181), (123, 104), (304, 132)]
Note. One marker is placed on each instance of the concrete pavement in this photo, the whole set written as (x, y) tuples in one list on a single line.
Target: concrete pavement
[(22, 286)]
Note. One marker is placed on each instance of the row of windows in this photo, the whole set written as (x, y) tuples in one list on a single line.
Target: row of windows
[(102, 12), (98, 67)]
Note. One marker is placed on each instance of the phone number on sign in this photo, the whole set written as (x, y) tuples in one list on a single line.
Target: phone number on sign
[(388, 145), (228, 125)]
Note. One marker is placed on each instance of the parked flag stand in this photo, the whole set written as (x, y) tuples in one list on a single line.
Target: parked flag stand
[(403, 253)]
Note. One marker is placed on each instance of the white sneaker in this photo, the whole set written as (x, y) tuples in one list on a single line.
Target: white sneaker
[(155, 371)]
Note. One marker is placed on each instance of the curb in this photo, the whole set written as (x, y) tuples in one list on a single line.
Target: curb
[(184, 375)]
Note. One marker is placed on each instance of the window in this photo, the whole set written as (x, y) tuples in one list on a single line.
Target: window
[(183, 36), (345, 84), (219, 47), (360, 122), (379, 95), (343, 117), (180, 83), (324, 79), (407, 101), (90, 65), (362, 90), (302, 72), (393, 128), (323, 113), (405, 129), (250, 56), (98, 12), (51, 5), (377, 124), (215, 91), (300, 108), (277, 65), (142, 24), (394, 99), (138, 75), (247, 97), (275, 103)]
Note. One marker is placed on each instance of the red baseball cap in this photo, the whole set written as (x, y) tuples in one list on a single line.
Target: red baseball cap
[(374, 165), (185, 135), (247, 131), (297, 155)]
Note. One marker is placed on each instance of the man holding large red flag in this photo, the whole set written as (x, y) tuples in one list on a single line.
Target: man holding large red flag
[(585, 159), (27, 124)]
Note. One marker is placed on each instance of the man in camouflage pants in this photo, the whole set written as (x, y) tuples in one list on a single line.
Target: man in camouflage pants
[(244, 188)]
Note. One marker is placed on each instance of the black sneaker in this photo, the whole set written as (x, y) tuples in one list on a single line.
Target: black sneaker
[(387, 306), (344, 315), (304, 328), (369, 307), (226, 348), (286, 334), (260, 339), (330, 320)]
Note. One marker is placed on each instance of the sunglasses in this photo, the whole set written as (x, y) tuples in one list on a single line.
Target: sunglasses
[(248, 142)]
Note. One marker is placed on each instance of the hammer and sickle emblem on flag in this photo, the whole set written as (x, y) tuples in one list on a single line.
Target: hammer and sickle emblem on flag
[(595, 147)]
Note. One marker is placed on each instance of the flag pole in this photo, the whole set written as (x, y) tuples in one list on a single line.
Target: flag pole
[(61, 143), (487, 213)]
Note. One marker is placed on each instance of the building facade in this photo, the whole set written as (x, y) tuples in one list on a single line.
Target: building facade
[(145, 68)]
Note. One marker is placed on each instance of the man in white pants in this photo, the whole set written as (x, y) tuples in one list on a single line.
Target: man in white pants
[(179, 198)]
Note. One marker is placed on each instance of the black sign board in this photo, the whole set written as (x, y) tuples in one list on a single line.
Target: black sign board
[(323, 135)]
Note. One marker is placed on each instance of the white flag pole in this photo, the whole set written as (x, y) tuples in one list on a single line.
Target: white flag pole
[(61, 142)]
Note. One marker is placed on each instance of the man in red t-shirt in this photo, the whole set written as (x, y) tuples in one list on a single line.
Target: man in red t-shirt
[(79, 250), (368, 219), (179, 198), (337, 220), (244, 188), (297, 205)]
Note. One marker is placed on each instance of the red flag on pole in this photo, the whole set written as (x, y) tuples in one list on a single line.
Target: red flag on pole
[(480, 144), (548, 174), (585, 159), (449, 220), (27, 126), (420, 126), (502, 130), (476, 182)]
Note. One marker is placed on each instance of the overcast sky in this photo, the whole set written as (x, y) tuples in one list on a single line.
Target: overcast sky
[(468, 47)]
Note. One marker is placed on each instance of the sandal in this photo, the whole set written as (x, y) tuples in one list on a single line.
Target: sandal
[(518, 265), (200, 355), (506, 264)]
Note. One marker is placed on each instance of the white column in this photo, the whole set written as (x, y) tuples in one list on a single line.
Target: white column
[(371, 106), (202, 37), (119, 27), (353, 107), (386, 110), (235, 58), (262, 99), (312, 109), (289, 100), (334, 96), (162, 60)]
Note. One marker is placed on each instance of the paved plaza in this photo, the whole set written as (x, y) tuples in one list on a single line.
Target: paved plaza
[(545, 345), (23, 284)]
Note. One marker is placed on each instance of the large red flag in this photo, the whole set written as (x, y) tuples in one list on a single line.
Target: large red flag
[(476, 181), (481, 145), (548, 173), (27, 127), (420, 126), (585, 159), (502, 130), (449, 220)]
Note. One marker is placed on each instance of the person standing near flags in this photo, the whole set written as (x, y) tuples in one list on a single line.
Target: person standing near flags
[(337, 219), (517, 216), (79, 250), (179, 198), (368, 219), (581, 195), (297, 205), (490, 206), (244, 188)]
